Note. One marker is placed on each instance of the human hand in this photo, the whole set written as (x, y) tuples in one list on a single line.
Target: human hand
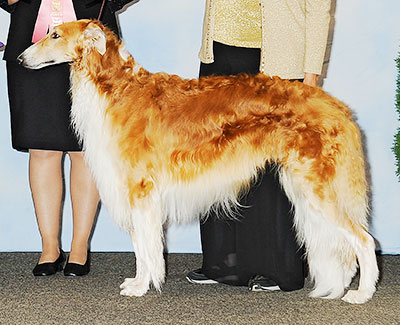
[(11, 2), (310, 79)]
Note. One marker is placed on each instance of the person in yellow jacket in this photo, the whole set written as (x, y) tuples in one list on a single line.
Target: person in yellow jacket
[(285, 38)]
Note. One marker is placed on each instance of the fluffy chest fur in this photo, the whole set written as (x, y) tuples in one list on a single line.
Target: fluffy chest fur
[(99, 144)]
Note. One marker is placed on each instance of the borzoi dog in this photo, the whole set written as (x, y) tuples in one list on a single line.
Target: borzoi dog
[(162, 148)]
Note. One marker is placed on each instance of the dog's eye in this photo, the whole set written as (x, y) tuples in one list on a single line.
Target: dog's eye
[(55, 35)]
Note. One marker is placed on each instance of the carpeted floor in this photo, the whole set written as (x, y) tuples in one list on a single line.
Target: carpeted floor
[(95, 299)]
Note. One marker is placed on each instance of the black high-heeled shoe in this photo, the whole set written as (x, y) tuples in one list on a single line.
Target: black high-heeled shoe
[(50, 268), (75, 269)]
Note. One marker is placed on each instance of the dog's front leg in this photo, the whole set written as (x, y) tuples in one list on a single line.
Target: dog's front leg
[(139, 285), (148, 245)]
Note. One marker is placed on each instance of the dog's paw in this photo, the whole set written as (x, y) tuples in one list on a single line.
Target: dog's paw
[(133, 287), (126, 283), (357, 296), (327, 293), (335, 293)]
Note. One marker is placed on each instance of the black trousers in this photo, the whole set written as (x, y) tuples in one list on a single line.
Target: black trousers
[(262, 240)]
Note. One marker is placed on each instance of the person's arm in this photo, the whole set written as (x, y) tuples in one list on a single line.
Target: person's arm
[(116, 5), (310, 79), (8, 5), (317, 27)]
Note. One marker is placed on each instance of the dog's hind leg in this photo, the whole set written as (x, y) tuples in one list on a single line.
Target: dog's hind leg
[(330, 257), (332, 262), (148, 244), (364, 246), (333, 240)]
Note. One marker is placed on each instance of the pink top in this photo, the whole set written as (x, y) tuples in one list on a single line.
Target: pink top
[(52, 13)]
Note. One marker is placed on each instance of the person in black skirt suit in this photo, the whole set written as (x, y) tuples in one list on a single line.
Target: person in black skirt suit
[(40, 124)]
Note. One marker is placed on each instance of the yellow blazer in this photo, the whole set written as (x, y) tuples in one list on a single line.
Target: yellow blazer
[(294, 36)]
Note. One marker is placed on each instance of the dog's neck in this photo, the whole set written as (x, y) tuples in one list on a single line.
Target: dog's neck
[(110, 71)]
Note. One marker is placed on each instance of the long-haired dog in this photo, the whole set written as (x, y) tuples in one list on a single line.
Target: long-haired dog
[(162, 148)]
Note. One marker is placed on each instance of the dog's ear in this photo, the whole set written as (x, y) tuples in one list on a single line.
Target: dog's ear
[(95, 37)]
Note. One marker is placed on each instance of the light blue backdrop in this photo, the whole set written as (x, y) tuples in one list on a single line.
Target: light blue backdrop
[(165, 36)]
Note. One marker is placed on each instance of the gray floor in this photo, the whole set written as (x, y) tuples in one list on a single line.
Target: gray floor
[(95, 299)]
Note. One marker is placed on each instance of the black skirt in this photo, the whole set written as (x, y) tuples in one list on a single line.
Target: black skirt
[(262, 241), (40, 108)]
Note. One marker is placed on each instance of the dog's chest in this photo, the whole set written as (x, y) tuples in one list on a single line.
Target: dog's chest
[(100, 145)]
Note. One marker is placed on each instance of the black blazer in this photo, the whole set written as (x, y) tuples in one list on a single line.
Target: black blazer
[(24, 14)]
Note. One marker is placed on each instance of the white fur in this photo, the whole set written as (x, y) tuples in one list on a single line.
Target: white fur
[(88, 119), (185, 202)]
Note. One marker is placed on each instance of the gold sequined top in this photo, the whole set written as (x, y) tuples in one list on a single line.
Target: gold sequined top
[(238, 23), (294, 36)]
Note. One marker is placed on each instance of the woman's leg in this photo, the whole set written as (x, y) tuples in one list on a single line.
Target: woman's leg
[(45, 177), (85, 200)]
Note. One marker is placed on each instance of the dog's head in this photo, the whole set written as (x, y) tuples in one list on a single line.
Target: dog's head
[(65, 43)]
